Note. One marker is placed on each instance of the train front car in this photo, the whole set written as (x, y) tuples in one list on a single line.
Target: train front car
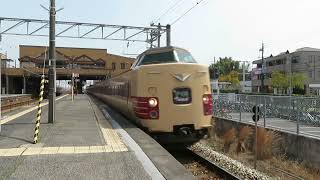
[(171, 95)]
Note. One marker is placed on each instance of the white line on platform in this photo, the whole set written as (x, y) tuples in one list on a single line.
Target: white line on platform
[(147, 164), (10, 118)]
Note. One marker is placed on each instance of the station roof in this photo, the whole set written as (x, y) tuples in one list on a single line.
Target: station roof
[(68, 52)]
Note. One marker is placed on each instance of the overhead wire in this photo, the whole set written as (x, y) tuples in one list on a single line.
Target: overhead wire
[(186, 12), (168, 10)]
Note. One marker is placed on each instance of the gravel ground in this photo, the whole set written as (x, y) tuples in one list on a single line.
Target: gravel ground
[(229, 164)]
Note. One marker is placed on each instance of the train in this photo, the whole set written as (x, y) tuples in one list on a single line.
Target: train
[(165, 92)]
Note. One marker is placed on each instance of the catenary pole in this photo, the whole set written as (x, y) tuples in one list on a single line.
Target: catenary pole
[(52, 58)]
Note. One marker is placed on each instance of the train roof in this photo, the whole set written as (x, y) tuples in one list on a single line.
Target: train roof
[(161, 49)]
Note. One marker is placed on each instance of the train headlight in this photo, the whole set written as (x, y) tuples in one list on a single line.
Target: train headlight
[(153, 102)]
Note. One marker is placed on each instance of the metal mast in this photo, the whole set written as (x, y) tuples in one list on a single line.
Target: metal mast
[(52, 59)]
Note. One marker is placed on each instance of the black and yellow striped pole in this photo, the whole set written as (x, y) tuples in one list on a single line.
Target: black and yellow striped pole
[(36, 130)]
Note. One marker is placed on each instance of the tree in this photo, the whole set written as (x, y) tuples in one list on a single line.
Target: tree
[(298, 80), (278, 80), (232, 77), (282, 81), (225, 65)]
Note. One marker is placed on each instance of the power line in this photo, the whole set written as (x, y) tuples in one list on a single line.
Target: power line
[(168, 10), (186, 12)]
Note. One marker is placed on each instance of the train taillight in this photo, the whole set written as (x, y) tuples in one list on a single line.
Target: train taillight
[(207, 104), (146, 107)]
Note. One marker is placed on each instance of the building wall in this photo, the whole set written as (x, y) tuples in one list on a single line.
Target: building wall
[(305, 62)]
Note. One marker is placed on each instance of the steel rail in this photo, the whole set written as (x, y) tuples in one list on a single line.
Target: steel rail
[(220, 170)]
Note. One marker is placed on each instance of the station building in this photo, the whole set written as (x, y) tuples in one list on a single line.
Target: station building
[(87, 63), (75, 58)]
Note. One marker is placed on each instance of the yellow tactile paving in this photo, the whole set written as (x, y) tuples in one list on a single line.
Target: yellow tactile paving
[(96, 149), (50, 150), (15, 152), (108, 149), (60, 150), (66, 150), (32, 151), (81, 149), (109, 134)]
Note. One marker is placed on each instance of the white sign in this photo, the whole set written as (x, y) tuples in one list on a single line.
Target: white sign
[(75, 75), (314, 85)]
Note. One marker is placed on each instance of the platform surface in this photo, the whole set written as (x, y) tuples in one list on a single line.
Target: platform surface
[(81, 144)]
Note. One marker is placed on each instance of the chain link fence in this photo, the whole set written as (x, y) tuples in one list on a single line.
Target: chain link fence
[(296, 114)]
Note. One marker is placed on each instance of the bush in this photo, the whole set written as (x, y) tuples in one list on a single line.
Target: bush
[(244, 136), (267, 141), (228, 138)]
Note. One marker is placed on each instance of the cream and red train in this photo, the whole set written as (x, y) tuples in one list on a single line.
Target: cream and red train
[(165, 92)]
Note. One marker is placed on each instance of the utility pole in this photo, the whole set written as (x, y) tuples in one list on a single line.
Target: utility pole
[(243, 76), (52, 58), (263, 68)]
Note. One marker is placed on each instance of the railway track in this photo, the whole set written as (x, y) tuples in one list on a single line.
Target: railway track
[(199, 166)]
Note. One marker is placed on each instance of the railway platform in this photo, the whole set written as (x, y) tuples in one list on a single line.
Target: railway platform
[(87, 141)]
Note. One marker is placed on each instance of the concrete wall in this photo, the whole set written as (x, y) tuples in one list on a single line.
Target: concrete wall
[(301, 148)]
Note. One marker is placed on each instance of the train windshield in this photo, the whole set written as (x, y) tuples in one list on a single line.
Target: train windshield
[(178, 55), (164, 57), (184, 56)]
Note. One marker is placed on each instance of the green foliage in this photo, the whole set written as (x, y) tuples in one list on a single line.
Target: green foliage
[(225, 65), (280, 80), (298, 80), (232, 77), (228, 70)]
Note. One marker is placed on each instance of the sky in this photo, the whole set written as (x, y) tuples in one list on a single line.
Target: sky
[(214, 28)]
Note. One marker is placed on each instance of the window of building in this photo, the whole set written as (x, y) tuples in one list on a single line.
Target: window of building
[(123, 65), (259, 65), (113, 66), (310, 74), (311, 59), (295, 59)]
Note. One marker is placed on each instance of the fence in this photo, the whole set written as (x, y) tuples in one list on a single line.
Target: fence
[(295, 114)]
